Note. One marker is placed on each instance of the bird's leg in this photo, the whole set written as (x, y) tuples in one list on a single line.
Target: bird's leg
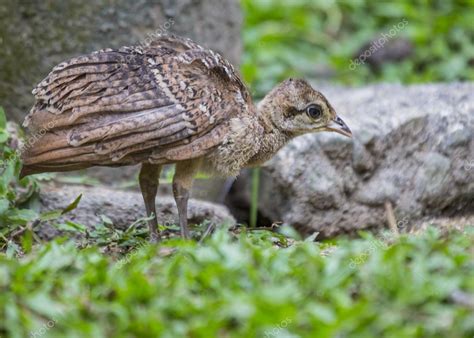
[(182, 183), (149, 180)]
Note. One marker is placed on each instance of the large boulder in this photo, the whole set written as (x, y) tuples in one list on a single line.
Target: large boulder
[(36, 35), (412, 147)]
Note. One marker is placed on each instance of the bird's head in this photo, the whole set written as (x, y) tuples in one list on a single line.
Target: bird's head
[(295, 108)]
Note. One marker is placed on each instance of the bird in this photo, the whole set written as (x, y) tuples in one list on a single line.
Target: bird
[(171, 101)]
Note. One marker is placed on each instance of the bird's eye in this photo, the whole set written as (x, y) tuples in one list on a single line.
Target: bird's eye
[(314, 111)]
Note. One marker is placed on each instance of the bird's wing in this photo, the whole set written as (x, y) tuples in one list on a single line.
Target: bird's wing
[(163, 102)]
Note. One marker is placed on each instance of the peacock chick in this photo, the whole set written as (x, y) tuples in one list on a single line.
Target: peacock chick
[(170, 102)]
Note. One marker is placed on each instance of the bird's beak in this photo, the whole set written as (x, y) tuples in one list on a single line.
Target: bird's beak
[(339, 126)]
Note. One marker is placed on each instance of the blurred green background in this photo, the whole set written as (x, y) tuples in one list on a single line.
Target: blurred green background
[(318, 40)]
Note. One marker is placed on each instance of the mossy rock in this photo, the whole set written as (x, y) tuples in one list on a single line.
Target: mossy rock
[(36, 35)]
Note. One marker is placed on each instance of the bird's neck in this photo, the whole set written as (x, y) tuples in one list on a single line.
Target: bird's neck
[(272, 140)]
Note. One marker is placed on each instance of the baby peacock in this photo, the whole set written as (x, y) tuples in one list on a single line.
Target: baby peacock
[(170, 102)]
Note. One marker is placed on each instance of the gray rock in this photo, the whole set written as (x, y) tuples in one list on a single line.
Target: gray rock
[(122, 207), (362, 160), (36, 35), (412, 146), (432, 180)]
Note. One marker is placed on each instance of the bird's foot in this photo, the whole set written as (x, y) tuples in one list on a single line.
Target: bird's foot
[(154, 235), (154, 238)]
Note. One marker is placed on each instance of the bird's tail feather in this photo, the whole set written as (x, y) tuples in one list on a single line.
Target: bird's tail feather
[(27, 170), (50, 152)]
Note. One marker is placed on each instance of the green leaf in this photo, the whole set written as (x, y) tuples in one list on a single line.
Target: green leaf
[(27, 241), (4, 205), (72, 206), (71, 226), (4, 135), (43, 303), (21, 216), (106, 220), (3, 118), (323, 312), (50, 215), (312, 237)]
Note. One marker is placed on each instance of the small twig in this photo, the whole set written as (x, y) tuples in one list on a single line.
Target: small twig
[(36, 237), (276, 225), (19, 232), (391, 220), (207, 232), (29, 226), (3, 237)]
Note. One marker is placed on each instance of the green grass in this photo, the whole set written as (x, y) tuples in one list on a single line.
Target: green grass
[(243, 286)]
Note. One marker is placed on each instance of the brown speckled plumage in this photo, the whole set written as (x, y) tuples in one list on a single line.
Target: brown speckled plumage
[(170, 102)]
